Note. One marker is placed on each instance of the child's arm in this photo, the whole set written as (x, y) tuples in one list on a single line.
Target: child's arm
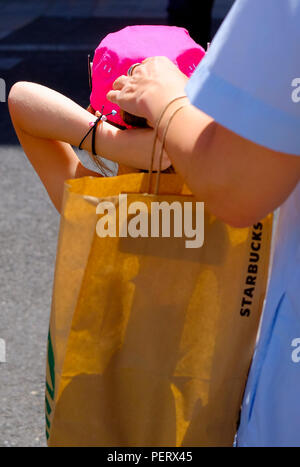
[(48, 123), (54, 162)]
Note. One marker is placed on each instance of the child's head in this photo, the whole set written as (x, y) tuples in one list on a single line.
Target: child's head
[(121, 49)]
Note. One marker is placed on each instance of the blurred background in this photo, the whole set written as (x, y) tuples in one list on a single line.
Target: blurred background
[(47, 41)]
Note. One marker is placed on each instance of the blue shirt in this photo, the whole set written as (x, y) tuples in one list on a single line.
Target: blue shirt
[(249, 82)]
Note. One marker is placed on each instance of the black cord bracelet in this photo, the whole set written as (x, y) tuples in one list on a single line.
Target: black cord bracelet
[(94, 136), (101, 118), (93, 129)]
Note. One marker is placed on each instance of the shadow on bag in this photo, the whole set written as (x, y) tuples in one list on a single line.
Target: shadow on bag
[(150, 341)]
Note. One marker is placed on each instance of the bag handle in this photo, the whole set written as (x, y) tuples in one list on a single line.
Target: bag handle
[(162, 144)]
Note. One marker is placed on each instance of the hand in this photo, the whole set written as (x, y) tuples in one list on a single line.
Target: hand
[(151, 87)]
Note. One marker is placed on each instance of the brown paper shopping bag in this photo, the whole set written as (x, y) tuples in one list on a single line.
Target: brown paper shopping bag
[(150, 341)]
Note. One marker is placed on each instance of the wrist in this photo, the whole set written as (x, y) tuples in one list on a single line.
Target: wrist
[(167, 112), (155, 106)]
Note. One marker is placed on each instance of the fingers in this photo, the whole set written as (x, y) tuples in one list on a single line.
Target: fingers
[(112, 96), (120, 82), (118, 85), (146, 60)]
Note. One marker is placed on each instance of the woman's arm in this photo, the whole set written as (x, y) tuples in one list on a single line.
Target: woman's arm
[(48, 123), (239, 181)]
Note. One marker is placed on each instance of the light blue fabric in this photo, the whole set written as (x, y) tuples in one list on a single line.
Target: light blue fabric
[(245, 80), (245, 84), (271, 407)]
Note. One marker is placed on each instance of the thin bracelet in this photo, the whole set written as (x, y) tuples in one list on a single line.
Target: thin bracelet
[(93, 129), (155, 136), (101, 118), (94, 135), (163, 145)]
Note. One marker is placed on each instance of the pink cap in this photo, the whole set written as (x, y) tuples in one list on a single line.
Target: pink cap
[(121, 49)]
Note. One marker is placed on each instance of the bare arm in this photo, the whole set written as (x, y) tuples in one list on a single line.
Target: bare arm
[(48, 123), (239, 181)]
